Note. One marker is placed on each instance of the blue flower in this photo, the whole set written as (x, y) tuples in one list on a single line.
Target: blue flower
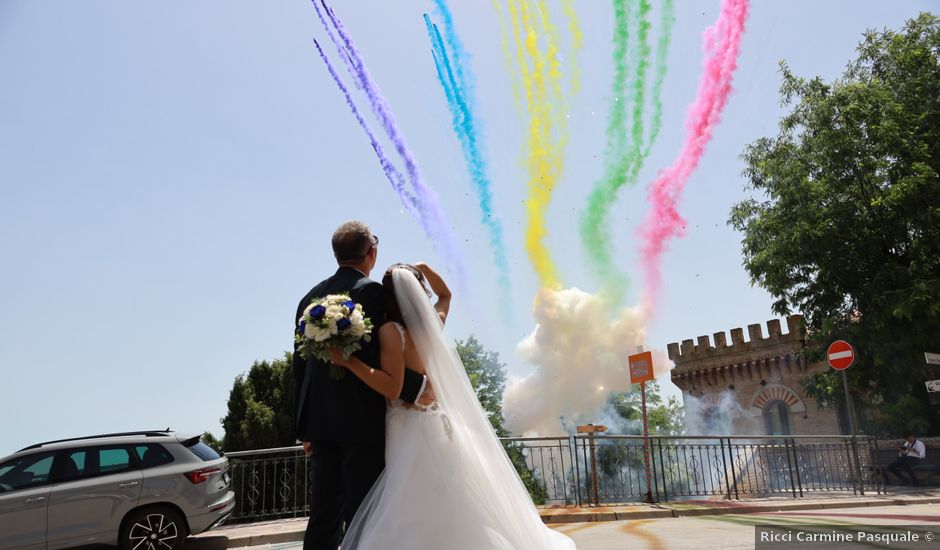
[(317, 312), (303, 326), (343, 324), (350, 304)]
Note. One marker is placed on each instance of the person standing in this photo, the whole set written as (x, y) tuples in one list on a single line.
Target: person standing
[(341, 420)]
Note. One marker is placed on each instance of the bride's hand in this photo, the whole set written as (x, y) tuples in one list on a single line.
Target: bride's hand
[(336, 357)]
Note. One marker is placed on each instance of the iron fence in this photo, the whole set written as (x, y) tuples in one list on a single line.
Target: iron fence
[(688, 467), (274, 483)]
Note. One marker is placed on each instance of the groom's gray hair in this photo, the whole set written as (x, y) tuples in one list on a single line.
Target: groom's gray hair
[(352, 241)]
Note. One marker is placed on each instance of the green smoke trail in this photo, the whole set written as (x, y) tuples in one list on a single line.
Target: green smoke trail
[(627, 142), (666, 19), (594, 226)]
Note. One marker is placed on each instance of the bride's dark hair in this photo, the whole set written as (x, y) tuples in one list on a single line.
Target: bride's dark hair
[(392, 309)]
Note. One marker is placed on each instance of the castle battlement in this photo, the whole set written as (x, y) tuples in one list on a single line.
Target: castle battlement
[(692, 353)]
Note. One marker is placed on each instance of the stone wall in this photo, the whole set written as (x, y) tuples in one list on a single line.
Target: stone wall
[(758, 373)]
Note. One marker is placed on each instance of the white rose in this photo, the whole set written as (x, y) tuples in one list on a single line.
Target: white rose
[(310, 330)]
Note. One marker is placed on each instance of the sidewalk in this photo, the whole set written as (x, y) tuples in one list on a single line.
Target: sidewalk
[(292, 530)]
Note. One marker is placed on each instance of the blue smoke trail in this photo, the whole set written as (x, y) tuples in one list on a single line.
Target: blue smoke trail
[(458, 91)]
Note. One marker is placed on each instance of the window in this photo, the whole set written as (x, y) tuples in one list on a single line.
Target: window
[(74, 465), (26, 471), (777, 418), (203, 451), (152, 455), (94, 461), (113, 460)]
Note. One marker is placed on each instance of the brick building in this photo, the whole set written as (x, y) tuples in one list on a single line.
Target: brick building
[(753, 387)]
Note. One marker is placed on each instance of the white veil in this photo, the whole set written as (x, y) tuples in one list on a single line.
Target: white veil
[(489, 477)]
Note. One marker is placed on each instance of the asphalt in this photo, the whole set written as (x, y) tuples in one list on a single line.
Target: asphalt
[(292, 530)]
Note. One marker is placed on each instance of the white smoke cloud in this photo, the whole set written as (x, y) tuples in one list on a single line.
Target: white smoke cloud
[(580, 355), (718, 414)]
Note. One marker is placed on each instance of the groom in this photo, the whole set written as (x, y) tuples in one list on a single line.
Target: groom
[(341, 422)]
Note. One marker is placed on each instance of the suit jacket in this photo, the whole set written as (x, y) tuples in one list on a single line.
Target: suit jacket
[(347, 409)]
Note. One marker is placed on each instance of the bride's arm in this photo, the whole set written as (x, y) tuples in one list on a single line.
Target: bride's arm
[(439, 287), (387, 381)]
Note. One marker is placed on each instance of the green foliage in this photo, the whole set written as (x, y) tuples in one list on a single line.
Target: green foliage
[(211, 440), (261, 407), (664, 417), (845, 222), (488, 378)]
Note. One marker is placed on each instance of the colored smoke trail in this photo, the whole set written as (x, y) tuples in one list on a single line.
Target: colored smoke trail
[(721, 43), (666, 19), (457, 81), (621, 154), (394, 176), (577, 43), (540, 75), (430, 217)]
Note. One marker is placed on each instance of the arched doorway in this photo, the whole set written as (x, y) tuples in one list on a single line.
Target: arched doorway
[(777, 418)]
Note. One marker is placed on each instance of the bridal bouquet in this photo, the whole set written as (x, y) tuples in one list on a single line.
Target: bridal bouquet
[(332, 322)]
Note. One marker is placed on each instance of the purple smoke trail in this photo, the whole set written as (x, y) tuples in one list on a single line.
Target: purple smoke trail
[(432, 219), (394, 176)]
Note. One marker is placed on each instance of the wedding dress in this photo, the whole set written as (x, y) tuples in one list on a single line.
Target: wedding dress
[(448, 483)]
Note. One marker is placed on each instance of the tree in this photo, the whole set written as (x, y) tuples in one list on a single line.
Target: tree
[(488, 378), (845, 224), (261, 407), (211, 440), (664, 417)]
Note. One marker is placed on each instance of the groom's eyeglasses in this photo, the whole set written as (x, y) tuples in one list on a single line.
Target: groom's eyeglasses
[(375, 243)]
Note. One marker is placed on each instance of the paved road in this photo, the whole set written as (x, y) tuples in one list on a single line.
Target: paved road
[(724, 531)]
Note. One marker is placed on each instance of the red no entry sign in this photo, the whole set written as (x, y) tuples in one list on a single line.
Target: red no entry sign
[(841, 355)]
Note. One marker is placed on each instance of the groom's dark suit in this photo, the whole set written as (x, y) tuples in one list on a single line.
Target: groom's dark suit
[(343, 419)]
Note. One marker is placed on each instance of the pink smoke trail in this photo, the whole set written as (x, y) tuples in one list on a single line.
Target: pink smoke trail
[(721, 43)]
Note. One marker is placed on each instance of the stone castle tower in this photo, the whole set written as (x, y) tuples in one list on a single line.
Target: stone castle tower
[(751, 387)]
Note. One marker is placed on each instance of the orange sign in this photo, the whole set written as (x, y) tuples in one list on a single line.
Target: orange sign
[(641, 367)]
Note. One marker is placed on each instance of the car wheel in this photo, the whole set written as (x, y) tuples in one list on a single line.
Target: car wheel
[(157, 528)]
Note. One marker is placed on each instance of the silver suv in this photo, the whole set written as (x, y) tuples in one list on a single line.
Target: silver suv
[(139, 490)]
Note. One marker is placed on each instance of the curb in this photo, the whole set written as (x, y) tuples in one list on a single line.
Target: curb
[(297, 535)]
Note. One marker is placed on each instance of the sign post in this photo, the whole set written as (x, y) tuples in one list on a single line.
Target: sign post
[(841, 356), (591, 429), (641, 371)]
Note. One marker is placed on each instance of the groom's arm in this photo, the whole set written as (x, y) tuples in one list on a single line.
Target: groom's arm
[(299, 366), (413, 386), (372, 298)]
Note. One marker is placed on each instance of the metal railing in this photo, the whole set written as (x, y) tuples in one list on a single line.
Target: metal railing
[(274, 483), (269, 483), (732, 467)]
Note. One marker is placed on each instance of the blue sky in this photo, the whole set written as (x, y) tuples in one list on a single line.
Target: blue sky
[(170, 174)]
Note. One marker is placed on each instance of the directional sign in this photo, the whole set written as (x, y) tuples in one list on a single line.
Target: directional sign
[(933, 386), (841, 355), (932, 358), (641, 367)]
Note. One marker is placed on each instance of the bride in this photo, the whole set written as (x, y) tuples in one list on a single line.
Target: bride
[(448, 482)]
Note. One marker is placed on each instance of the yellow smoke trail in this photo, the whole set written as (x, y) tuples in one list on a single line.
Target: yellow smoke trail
[(543, 155), (577, 42), (509, 57), (531, 46)]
